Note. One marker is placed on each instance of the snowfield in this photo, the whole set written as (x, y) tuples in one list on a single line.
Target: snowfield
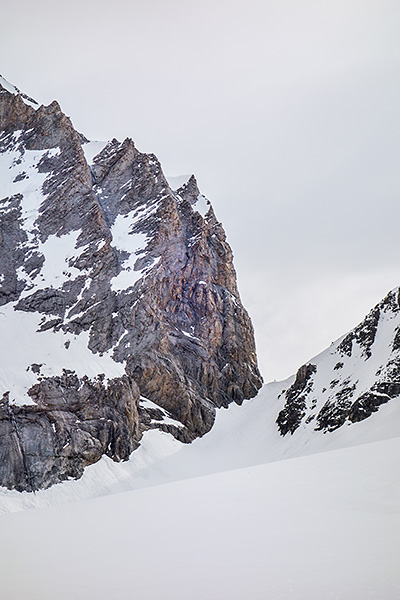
[(321, 526), (223, 518), (242, 436)]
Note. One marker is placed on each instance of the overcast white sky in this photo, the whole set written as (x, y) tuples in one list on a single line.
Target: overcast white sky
[(287, 111)]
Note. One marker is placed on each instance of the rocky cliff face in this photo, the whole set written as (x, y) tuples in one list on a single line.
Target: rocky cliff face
[(119, 309), (352, 379)]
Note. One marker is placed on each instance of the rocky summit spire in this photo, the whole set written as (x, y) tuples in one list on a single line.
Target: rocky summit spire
[(119, 306)]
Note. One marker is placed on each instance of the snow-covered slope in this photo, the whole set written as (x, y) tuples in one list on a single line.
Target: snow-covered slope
[(12, 89), (242, 436), (352, 379), (322, 526)]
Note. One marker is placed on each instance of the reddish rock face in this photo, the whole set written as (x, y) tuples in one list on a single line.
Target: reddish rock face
[(147, 280)]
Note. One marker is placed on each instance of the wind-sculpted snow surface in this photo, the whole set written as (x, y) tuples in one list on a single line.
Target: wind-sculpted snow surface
[(112, 285), (350, 381)]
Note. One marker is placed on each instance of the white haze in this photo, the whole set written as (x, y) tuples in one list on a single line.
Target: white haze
[(286, 111)]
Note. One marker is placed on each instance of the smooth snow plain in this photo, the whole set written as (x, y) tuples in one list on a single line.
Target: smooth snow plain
[(223, 518), (321, 526)]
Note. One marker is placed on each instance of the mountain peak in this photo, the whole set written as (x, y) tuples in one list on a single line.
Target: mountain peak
[(122, 289), (190, 188)]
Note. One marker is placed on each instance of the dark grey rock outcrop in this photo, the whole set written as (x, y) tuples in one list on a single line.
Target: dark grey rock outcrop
[(74, 423)]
